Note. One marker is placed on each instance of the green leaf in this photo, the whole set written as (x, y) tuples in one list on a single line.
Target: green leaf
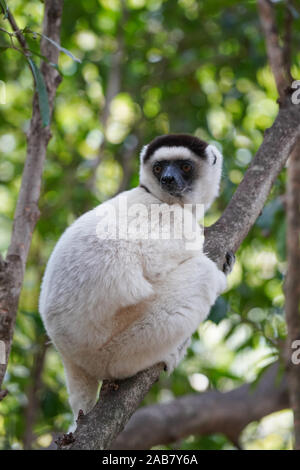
[(29, 31), (42, 93), (55, 66)]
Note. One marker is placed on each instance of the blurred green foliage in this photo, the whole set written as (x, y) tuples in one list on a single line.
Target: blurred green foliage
[(186, 66)]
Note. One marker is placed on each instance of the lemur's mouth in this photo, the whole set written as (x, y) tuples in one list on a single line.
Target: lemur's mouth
[(172, 189)]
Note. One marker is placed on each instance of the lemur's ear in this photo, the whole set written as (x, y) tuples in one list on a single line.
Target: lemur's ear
[(213, 155), (143, 153)]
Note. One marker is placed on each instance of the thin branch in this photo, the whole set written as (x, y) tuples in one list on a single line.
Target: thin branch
[(32, 406), (278, 62), (113, 89), (205, 413), (228, 233), (287, 39), (27, 212), (17, 31)]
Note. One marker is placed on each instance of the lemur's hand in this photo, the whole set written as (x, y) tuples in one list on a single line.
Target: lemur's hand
[(229, 263)]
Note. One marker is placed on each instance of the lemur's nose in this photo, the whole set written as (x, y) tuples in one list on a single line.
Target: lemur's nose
[(167, 179)]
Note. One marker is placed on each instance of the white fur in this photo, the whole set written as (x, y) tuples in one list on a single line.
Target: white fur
[(143, 153), (213, 154), (115, 307), (172, 153)]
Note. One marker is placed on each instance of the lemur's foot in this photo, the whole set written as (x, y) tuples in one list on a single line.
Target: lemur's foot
[(229, 263)]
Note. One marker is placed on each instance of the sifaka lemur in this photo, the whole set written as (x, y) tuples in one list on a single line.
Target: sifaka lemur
[(114, 305)]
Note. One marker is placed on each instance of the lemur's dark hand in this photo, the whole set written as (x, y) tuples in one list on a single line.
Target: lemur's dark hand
[(229, 263)]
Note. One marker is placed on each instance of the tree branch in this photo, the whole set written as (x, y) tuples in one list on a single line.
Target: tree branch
[(110, 415), (292, 284), (113, 89), (287, 39), (118, 400), (17, 31), (205, 413), (27, 213), (248, 200)]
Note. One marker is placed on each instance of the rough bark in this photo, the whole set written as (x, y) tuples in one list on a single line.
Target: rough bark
[(113, 89), (118, 400), (27, 212), (205, 413), (227, 234)]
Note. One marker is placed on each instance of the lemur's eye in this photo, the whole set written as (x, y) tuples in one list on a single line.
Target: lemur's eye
[(186, 167), (157, 169)]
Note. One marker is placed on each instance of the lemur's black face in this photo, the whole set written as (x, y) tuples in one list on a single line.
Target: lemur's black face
[(175, 176)]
